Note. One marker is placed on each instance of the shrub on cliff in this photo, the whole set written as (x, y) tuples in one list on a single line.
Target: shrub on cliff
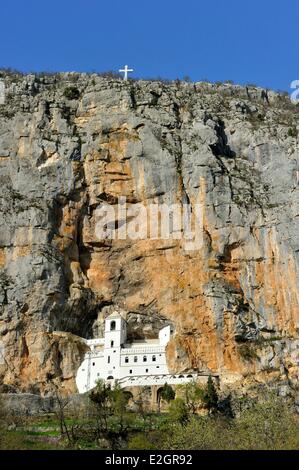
[(71, 93), (292, 132)]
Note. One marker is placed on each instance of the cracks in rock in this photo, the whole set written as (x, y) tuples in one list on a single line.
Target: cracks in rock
[(155, 97), (132, 97), (24, 349), (57, 360), (244, 197), (178, 161), (209, 238), (221, 148), (226, 257)]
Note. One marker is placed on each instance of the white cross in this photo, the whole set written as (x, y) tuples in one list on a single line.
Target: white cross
[(125, 71)]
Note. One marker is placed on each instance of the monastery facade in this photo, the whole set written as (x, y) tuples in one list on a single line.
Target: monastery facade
[(139, 363)]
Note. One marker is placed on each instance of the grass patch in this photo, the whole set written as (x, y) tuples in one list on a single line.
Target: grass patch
[(23, 440)]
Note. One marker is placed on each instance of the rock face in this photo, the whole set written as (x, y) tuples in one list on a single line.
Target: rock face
[(71, 143)]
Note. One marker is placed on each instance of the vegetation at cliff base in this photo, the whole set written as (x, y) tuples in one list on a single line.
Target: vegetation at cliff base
[(192, 418)]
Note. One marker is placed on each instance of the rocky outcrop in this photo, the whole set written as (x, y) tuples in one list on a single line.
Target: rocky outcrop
[(72, 143)]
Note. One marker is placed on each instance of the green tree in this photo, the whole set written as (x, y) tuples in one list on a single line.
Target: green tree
[(113, 421), (268, 425), (199, 433), (210, 396), (142, 409), (119, 401), (193, 394), (178, 412), (100, 398), (166, 393)]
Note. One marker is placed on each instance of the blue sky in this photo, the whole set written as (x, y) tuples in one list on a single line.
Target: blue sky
[(255, 42)]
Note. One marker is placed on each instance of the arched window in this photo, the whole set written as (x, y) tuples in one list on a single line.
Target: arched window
[(112, 344), (135, 358), (112, 325), (108, 359), (154, 358), (110, 377), (126, 359), (144, 358)]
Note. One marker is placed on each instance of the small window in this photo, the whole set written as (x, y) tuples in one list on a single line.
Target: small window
[(144, 358), (131, 371), (157, 367), (108, 359), (93, 363), (112, 325), (111, 344), (154, 358), (126, 359), (146, 370), (110, 377), (98, 374), (135, 358)]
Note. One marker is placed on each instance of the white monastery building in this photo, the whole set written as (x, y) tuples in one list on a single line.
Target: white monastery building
[(140, 363)]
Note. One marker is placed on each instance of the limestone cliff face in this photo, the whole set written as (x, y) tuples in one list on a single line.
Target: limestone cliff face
[(70, 143)]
